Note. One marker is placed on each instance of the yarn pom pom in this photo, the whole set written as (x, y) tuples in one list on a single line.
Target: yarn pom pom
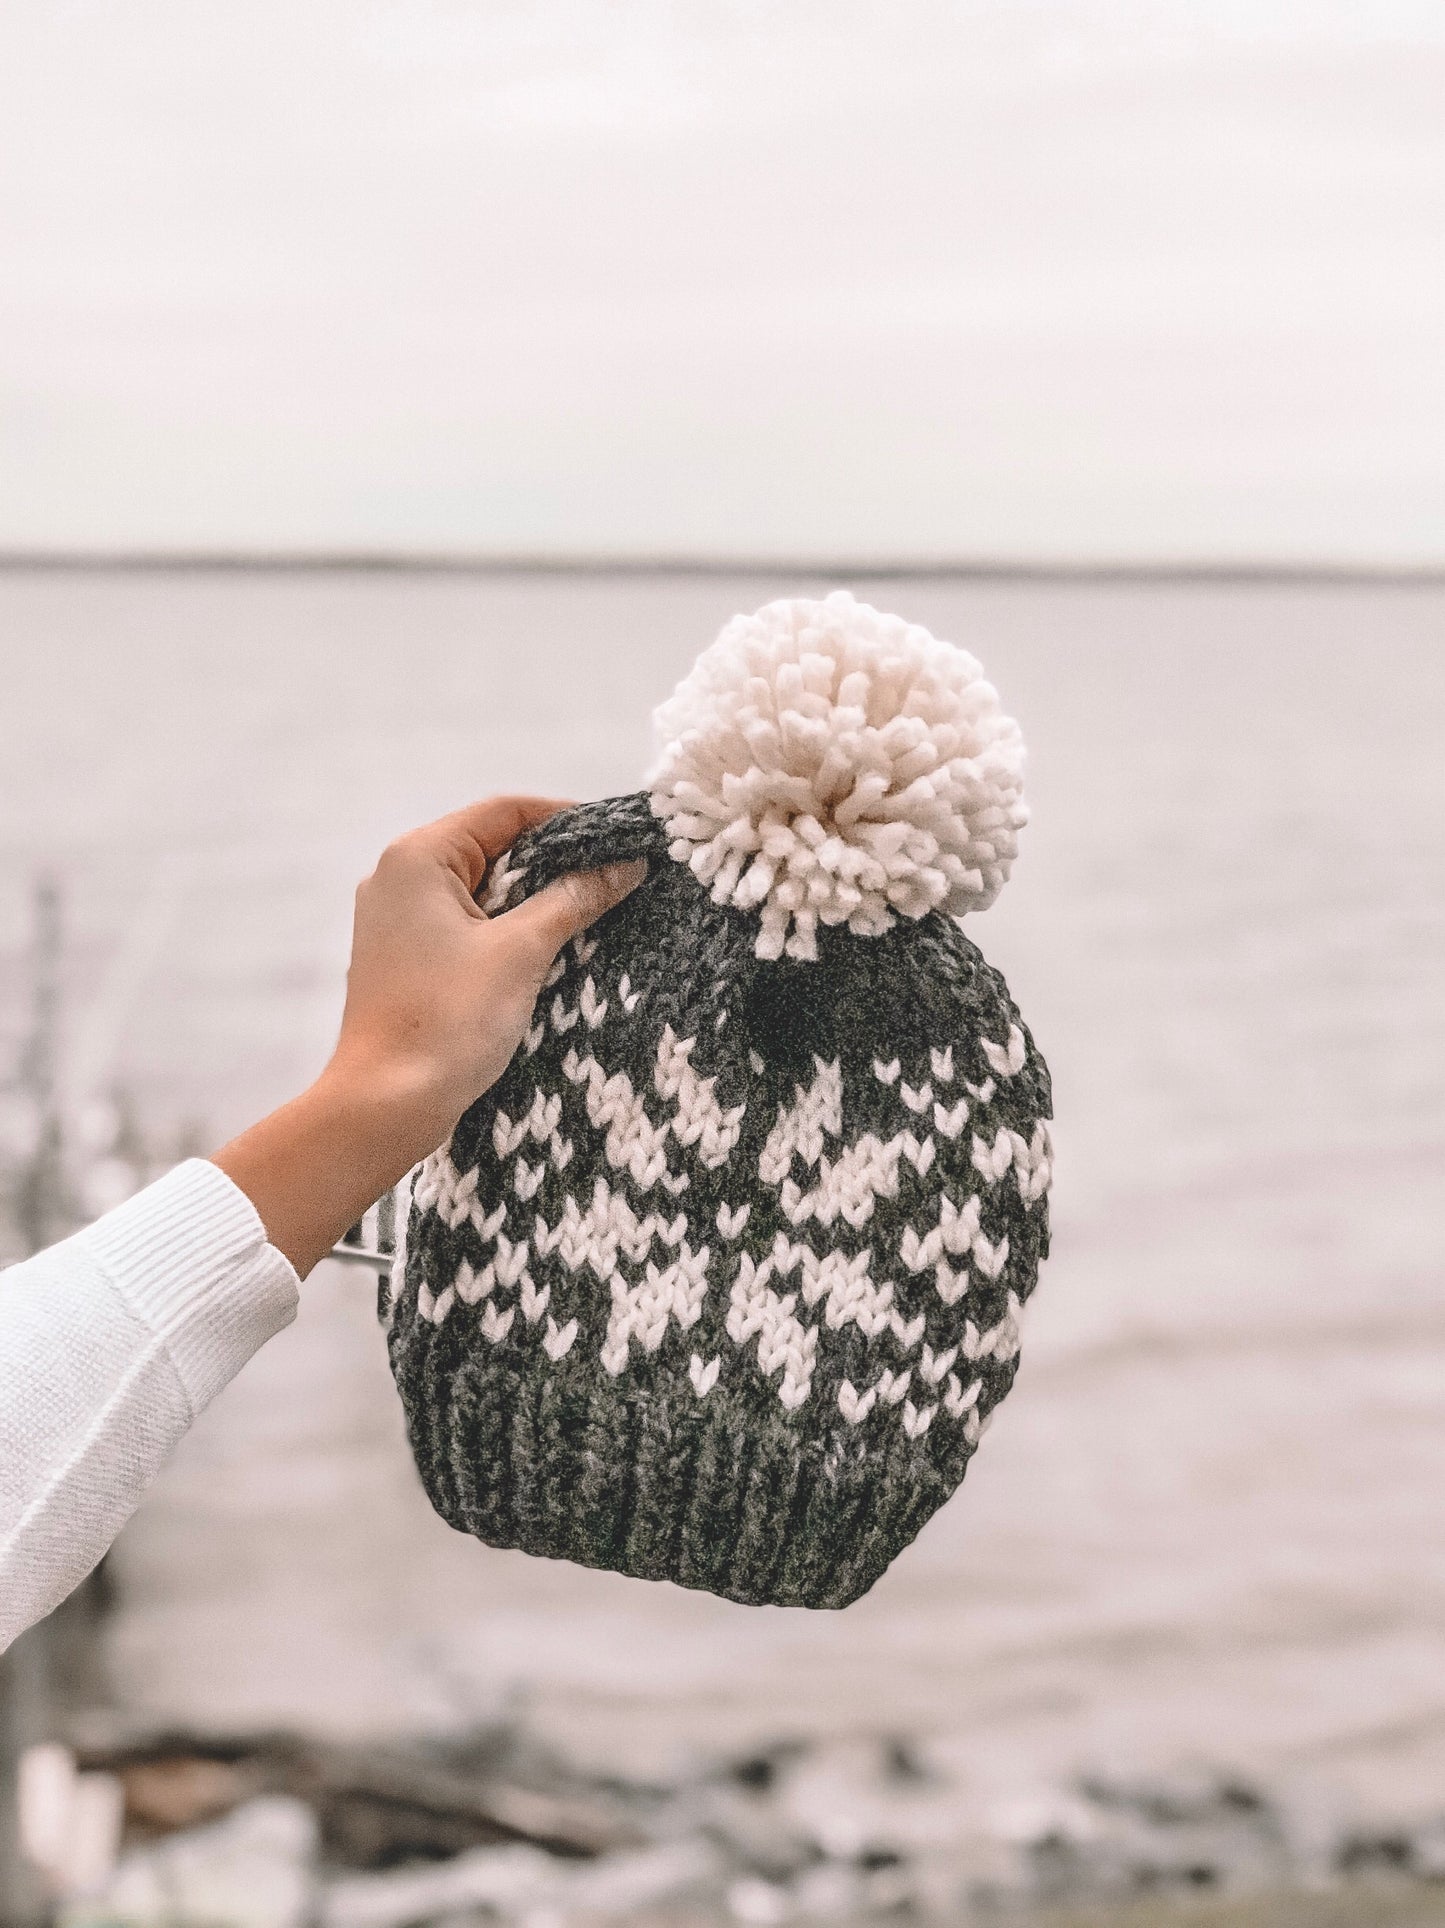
[(826, 764)]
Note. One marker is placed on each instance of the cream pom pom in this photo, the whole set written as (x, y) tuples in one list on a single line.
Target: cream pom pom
[(825, 763)]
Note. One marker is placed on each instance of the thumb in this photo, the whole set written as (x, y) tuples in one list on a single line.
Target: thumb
[(571, 904)]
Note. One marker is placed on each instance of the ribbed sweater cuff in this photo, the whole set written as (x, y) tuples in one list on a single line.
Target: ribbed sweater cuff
[(189, 1256)]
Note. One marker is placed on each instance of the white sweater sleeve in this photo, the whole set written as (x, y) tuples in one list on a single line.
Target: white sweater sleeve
[(110, 1344)]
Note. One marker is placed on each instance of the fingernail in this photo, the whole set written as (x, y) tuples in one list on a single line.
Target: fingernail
[(624, 877)]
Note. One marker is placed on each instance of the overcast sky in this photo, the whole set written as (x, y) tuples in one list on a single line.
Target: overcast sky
[(1125, 279)]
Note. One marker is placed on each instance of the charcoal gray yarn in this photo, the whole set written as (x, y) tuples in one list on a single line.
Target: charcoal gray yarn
[(719, 1283)]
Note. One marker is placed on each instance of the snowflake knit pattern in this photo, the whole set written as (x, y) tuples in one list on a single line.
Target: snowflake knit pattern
[(721, 1282)]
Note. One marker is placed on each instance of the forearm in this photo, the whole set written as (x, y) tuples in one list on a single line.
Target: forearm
[(110, 1344)]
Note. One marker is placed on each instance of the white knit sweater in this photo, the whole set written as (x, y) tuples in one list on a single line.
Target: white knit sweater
[(110, 1344)]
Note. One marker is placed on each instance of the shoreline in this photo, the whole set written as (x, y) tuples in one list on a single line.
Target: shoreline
[(491, 1823), (1065, 571)]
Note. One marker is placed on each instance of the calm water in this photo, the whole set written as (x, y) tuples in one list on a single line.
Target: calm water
[(1208, 1523)]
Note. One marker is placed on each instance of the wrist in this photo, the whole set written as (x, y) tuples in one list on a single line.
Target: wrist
[(388, 1111), (313, 1167)]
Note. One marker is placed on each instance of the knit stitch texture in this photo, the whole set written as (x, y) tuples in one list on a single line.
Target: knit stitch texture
[(721, 1281)]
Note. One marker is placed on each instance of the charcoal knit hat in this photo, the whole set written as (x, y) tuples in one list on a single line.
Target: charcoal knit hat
[(720, 1281)]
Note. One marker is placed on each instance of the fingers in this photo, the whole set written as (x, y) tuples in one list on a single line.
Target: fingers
[(496, 822), (571, 904), (467, 840)]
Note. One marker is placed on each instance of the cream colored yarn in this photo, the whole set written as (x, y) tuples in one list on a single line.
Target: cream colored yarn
[(825, 763)]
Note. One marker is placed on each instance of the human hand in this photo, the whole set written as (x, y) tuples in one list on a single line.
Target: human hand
[(438, 996)]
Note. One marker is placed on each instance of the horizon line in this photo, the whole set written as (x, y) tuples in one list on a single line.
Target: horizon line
[(702, 565)]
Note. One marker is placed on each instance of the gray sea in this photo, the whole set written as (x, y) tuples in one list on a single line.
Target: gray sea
[(1210, 1523)]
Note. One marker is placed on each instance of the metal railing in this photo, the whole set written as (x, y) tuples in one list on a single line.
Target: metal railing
[(374, 1239)]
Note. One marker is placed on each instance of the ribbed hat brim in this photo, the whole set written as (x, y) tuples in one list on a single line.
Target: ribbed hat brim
[(611, 1476)]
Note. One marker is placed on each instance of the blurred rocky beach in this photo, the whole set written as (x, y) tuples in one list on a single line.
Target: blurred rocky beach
[(1181, 1637), (279, 1832)]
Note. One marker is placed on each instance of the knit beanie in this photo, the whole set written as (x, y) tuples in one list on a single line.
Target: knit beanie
[(721, 1281)]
